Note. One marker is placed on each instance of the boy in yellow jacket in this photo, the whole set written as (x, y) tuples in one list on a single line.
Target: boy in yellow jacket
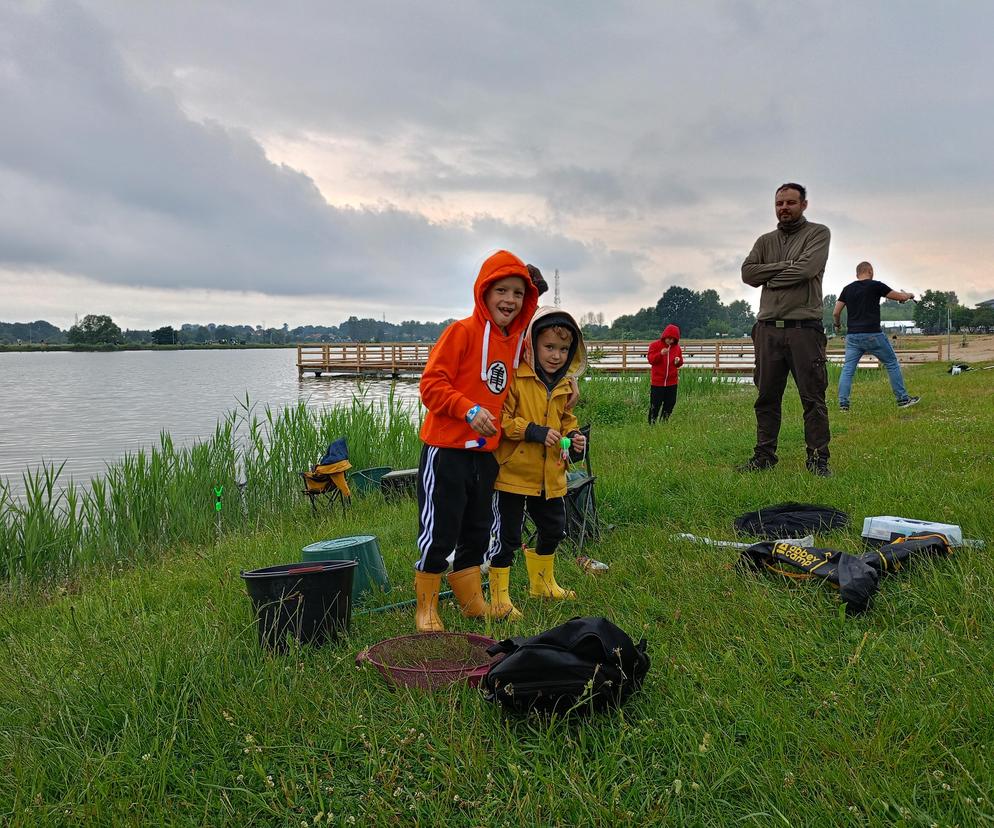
[(532, 471)]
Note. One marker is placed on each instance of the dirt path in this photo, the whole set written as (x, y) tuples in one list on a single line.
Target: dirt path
[(978, 349)]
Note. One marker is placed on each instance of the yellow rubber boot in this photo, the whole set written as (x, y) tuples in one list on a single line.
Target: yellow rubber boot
[(426, 586), (542, 577), (468, 589), (500, 594)]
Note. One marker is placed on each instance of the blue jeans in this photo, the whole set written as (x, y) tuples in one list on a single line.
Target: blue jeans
[(879, 346)]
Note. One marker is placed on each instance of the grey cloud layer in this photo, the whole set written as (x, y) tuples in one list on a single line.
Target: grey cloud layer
[(129, 151), (102, 177)]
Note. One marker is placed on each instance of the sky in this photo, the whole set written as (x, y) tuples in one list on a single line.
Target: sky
[(257, 162)]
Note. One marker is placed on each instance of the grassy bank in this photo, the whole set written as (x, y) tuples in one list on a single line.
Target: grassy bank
[(139, 696)]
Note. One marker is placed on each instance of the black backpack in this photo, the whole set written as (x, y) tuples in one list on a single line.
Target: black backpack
[(583, 665)]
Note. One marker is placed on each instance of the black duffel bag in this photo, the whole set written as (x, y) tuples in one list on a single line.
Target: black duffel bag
[(583, 665)]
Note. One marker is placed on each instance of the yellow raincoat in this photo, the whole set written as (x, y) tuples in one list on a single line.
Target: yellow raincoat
[(534, 468)]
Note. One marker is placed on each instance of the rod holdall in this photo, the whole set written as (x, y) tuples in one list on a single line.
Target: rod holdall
[(856, 580), (897, 554), (584, 665)]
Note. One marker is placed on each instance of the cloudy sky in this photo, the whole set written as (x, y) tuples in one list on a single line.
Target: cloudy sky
[(300, 162)]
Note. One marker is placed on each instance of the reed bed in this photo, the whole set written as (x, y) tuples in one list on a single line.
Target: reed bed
[(157, 498)]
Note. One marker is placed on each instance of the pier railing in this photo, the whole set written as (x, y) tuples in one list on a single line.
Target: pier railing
[(396, 359)]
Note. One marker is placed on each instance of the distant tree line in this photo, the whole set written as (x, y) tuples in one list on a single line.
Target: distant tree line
[(95, 329), (698, 314), (937, 307)]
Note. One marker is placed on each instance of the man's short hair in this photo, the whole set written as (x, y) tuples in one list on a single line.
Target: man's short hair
[(790, 185), (862, 267)]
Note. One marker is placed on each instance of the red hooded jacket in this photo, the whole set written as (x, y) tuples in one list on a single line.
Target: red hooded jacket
[(473, 362), (665, 364)]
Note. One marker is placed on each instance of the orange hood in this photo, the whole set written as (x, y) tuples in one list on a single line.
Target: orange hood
[(497, 266)]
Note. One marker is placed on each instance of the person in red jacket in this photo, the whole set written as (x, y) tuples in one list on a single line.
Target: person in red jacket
[(666, 358), (463, 387)]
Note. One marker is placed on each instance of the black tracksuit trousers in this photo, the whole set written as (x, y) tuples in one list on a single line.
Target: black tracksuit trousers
[(508, 520), (455, 490)]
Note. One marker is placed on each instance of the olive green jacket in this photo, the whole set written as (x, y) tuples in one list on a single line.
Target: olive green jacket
[(789, 267)]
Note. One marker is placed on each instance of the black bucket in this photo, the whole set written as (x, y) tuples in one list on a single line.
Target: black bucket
[(312, 602)]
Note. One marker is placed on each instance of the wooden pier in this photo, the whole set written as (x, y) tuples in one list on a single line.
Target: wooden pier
[(408, 359)]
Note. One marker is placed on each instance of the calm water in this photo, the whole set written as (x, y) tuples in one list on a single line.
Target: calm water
[(91, 408)]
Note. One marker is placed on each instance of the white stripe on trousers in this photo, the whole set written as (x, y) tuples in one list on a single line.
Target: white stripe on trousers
[(494, 547), (428, 510)]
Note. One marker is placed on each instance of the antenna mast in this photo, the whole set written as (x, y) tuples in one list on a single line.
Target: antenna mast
[(555, 300)]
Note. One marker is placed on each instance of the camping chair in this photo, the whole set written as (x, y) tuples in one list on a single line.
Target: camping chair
[(581, 505), (327, 477), (581, 502)]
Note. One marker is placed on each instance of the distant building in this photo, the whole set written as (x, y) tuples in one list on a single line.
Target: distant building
[(899, 326), (988, 304)]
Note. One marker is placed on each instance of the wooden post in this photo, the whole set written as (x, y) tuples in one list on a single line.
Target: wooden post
[(717, 357), (624, 357), (940, 350)]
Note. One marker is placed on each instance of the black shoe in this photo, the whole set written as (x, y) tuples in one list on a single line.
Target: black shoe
[(819, 467), (843, 406), (910, 401), (756, 464)]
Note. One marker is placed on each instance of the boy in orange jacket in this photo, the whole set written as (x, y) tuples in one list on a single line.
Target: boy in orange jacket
[(532, 475), (666, 358), (463, 387)]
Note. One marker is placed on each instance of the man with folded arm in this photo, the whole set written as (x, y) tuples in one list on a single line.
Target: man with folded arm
[(789, 338)]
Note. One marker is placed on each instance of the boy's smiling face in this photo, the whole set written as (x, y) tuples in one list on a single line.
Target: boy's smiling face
[(504, 299), (552, 350)]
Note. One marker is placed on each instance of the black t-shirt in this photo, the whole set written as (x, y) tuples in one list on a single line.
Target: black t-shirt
[(862, 299)]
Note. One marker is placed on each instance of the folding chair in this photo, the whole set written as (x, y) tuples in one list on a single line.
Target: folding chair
[(327, 477), (581, 501)]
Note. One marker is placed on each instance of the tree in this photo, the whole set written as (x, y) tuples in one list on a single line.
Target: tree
[(983, 317), (96, 330), (963, 318), (682, 307), (893, 311), (165, 335), (827, 308), (740, 318), (930, 312)]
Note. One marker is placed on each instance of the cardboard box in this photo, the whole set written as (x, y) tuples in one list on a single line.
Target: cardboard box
[(882, 529)]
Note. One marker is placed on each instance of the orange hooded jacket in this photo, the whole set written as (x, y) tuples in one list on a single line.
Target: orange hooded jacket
[(473, 362)]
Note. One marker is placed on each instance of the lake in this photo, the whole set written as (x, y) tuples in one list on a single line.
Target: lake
[(90, 409)]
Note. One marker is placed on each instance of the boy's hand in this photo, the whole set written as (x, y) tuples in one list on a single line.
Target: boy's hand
[(483, 423), (578, 442), (553, 438), (574, 394)]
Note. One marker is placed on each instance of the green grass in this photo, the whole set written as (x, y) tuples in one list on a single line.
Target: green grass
[(139, 696)]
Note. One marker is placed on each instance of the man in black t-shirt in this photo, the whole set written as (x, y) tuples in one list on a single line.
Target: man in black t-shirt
[(862, 300)]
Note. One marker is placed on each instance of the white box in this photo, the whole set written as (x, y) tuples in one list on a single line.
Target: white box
[(885, 528)]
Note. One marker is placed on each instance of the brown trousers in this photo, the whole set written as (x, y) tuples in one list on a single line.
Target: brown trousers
[(799, 352)]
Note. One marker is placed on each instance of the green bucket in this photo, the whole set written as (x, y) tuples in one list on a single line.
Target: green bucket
[(365, 481), (370, 574)]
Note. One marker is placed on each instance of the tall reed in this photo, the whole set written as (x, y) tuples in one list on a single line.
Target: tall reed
[(158, 497)]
